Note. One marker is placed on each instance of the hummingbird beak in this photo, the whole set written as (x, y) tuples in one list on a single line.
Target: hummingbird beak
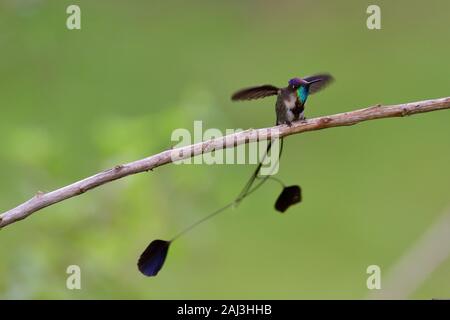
[(314, 81)]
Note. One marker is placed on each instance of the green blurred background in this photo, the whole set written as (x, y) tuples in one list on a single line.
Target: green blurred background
[(77, 102)]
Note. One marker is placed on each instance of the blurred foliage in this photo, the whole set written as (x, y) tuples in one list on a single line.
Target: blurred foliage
[(76, 102)]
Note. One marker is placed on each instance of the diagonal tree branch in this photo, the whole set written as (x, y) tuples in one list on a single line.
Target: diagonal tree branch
[(42, 200)]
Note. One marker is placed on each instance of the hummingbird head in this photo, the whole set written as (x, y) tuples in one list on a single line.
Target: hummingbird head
[(301, 86), (296, 83)]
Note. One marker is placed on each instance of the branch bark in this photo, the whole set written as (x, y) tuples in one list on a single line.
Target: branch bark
[(42, 200)]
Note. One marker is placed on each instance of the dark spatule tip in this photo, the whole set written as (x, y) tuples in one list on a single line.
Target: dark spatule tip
[(153, 257), (288, 197)]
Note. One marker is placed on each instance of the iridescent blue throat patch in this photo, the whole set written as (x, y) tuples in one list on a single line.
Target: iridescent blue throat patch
[(302, 93)]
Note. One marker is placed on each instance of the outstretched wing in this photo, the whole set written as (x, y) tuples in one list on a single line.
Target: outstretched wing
[(325, 79), (255, 92)]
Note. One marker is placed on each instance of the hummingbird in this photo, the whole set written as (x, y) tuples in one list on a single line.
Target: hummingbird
[(290, 105)]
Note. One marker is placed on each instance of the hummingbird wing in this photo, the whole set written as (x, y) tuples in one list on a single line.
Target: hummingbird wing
[(255, 92), (324, 80)]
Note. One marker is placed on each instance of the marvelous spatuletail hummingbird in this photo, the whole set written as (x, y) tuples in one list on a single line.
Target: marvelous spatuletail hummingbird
[(289, 107)]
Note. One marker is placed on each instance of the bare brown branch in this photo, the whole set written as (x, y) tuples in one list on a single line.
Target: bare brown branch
[(42, 200)]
